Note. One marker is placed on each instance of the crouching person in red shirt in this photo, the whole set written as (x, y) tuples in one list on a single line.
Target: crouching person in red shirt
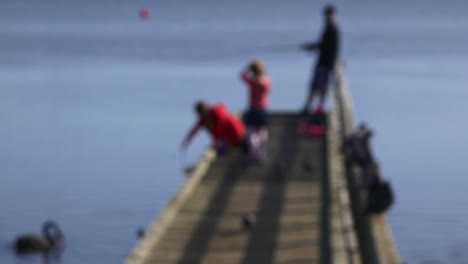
[(226, 129)]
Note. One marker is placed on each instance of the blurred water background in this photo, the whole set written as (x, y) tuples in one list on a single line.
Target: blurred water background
[(94, 103)]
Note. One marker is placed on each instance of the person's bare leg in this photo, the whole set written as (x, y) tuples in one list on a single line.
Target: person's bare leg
[(264, 143)]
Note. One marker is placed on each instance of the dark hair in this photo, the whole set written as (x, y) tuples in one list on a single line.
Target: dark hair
[(200, 107), (329, 9)]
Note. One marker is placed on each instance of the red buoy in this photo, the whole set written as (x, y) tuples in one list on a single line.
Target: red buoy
[(145, 13)]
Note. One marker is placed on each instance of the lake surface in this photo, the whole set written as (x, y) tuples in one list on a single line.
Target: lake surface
[(94, 103)]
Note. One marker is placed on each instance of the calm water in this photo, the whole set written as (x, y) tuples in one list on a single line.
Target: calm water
[(94, 103)]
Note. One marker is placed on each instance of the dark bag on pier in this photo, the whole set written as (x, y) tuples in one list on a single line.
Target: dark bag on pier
[(380, 197)]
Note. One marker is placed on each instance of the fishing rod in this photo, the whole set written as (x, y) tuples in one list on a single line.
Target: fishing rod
[(221, 52)]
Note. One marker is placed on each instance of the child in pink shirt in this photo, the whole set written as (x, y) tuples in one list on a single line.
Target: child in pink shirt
[(259, 86), (256, 117)]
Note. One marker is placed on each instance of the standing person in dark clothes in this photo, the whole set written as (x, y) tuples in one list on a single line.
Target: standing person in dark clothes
[(328, 48)]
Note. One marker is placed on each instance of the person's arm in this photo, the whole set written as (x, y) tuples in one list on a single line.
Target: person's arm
[(310, 46), (246, 75), (252, 81), (190, 135)]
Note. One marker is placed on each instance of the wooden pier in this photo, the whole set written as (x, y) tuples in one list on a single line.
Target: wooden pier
[(303, 197)]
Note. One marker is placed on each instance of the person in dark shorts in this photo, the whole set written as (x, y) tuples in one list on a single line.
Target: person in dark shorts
[(328, 48)]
